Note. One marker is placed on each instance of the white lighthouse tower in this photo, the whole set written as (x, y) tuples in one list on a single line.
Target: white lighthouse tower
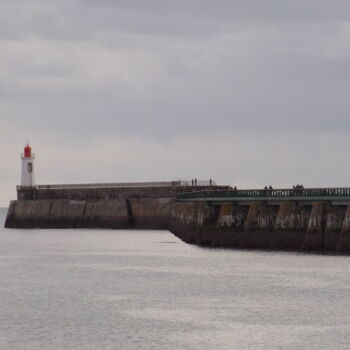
[(27, 178)]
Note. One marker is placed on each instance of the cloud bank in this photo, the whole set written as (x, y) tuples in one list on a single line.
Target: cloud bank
[(246, 92)]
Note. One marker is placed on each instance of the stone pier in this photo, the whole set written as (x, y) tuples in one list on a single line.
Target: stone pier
[(297, 225)]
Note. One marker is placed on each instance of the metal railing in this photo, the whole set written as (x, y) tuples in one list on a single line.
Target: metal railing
[(295, 193)]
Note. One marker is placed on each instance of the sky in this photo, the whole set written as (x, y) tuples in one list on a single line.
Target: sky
[(246, 92)]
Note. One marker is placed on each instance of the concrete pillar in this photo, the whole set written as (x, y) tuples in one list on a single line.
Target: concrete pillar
[(230, 225), (334, 219), (343, 245), (290, 226), (186, 219), (258, 225), (315, 234), (233, 216)]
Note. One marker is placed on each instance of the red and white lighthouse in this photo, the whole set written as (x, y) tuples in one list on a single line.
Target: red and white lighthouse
[(27, 178)]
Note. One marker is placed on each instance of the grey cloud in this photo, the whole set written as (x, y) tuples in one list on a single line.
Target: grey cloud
[(172, 73), (238, 9), (84, 19)]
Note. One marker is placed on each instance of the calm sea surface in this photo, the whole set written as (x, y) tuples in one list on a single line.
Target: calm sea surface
[(104, 289)]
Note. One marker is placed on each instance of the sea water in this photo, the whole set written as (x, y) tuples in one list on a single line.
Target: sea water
[(105, 289)]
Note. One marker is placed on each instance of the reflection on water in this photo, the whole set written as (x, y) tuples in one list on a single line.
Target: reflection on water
[(104, 289)]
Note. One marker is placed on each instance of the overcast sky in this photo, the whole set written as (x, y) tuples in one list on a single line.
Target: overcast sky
[(247, 92)]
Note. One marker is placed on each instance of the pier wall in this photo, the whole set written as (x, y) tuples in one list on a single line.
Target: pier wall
[(105, 193), (288, 225), (95, 207)]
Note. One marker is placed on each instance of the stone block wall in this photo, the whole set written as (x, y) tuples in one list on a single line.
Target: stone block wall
[(317, 226)]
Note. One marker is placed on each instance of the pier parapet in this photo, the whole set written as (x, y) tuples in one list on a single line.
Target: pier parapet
[(216, 217), (312, 219)]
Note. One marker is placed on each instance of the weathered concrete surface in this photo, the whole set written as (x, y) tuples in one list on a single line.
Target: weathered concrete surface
[(290, 226), (106, 214), (343, 245), (314, 237), (101, 193), (188, 220), (230, 225), (114, 207), (318, 226), (258, 226), (67, 214), (324, 227), (334, 218), (151, 213), (27, 214), (233, 216), (202, 224), (287, 226)]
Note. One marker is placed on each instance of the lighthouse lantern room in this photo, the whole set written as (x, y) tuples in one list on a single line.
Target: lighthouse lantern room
[(27, 178)]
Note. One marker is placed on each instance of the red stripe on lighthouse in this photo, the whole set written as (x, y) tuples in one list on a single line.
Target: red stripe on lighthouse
[(28, 151)]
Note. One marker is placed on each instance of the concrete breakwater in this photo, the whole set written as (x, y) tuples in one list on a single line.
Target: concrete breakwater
[(289, 225), (115, 213), (93, 206), (317, 226)]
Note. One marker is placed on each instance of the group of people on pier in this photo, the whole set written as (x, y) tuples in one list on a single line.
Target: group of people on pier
[(194, 182), (269, 188), (298, 187)]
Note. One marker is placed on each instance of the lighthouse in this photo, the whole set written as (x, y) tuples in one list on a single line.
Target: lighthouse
[(27, 178)]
